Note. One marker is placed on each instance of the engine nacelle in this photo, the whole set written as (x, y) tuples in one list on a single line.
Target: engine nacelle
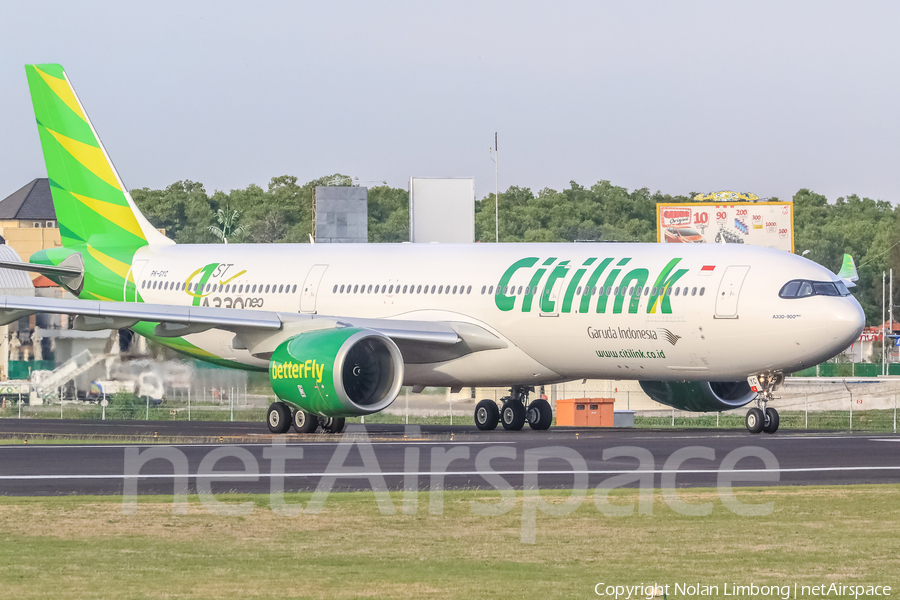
[(700, 396), (337, 372)]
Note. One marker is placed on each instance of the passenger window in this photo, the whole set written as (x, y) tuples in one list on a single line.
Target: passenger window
[(483, 289), (469, 290), (454, 288), (391, 290), (404, 289), (342, 289), (491, 290), (694, 292), (702, 290), (356, 288)]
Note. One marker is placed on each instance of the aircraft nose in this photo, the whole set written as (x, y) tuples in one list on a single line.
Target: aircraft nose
[(847, 322)]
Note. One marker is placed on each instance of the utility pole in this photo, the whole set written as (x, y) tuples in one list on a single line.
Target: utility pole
[(883, 306), (891, 318), (496, 159)]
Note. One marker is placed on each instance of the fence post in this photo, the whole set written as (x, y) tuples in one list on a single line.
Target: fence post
[(673, 416), (717, 418), (232, 405), (148, 408), (807, 411), (189, 404), (895, 413), (851, 412), (628, 399), (407, 406), (20, 407)]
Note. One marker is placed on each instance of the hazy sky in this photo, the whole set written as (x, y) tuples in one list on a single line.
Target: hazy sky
[(766, 97)]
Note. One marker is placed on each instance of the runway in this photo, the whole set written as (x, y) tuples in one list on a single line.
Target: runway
[(249, 459)]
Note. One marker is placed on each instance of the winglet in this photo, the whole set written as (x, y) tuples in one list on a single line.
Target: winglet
[(848, 271)]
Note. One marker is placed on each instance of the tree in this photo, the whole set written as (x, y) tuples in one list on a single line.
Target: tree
[(227, 226)]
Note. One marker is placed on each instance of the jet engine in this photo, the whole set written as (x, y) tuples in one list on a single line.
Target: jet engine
[(700, 396), (337, 372)]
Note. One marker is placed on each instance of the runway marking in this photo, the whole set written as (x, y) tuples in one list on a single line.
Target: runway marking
[(230, 475), (354, 442), (885, 439)]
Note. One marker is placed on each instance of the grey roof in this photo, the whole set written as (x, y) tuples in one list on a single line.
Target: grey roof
[(12, 280), (31, 201)]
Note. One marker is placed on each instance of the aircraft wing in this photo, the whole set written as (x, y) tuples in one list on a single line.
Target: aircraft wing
[(258, 332)]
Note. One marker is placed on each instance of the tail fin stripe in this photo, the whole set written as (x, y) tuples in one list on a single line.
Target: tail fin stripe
[(116, 214), (116, 266), (90, 157), (63, 91)]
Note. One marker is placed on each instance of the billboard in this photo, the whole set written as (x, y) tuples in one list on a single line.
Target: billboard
[(342, 215), (767, 224), (442, 210)]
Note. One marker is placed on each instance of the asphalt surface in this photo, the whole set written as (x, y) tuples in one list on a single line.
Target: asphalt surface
[(426, 458)]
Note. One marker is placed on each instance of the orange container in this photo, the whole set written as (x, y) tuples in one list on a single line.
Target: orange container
[(585, 412)]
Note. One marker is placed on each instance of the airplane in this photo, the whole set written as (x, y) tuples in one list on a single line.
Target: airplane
[(340, 328)]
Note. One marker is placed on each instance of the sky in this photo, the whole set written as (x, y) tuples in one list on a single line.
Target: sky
[(763, 97)]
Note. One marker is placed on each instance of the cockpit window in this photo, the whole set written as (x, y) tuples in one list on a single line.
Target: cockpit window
[(799, 288)]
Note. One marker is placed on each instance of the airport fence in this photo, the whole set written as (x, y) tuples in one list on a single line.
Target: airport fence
[(849, 370)]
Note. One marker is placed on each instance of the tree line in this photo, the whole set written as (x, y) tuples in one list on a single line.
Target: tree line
[(867, 229)]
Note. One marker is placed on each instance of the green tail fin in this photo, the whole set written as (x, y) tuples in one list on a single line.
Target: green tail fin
[(96, 214)]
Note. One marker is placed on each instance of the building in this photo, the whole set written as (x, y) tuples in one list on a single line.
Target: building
[(28, 219)]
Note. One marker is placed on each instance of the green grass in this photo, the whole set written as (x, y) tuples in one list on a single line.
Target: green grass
[(87, 548), (864, 420)]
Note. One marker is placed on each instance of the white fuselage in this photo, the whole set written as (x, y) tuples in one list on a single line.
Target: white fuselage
[(724, 319)]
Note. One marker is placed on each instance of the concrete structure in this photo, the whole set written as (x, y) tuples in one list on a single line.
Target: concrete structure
[(342, 215), (442, 210)]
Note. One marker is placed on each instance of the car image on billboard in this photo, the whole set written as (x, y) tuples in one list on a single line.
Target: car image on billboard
[(683, 235)]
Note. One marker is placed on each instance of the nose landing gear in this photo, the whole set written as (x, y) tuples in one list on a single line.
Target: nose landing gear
[(763, 417)]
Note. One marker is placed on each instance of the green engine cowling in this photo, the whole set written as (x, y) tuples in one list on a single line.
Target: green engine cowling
[(700, 396), (337, 372)]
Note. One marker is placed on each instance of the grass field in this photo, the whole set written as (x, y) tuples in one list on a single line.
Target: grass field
[(86, 547), (868, 420)]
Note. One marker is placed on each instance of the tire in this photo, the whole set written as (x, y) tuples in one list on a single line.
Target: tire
[(755, 420), (487, 415), (771, 425), (279, 417), (512, 415), (305, 422), (539, 414), (332, 424)]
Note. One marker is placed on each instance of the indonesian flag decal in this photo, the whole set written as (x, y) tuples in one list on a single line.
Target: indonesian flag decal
[(707, 270)]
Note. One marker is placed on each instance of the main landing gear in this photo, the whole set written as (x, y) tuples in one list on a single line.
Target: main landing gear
[(281, 416), (763, 417), (514, 412)]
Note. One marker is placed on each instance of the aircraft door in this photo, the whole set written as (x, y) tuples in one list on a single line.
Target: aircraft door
[(137, 269), (311, 288), (729, 292)]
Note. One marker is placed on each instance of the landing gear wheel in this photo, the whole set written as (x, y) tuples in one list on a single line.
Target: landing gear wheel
[(279, 417), (305, 422), (332, 424), (487, 415), (755, 420), (539, 414), (771, 424), (512, 415)]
